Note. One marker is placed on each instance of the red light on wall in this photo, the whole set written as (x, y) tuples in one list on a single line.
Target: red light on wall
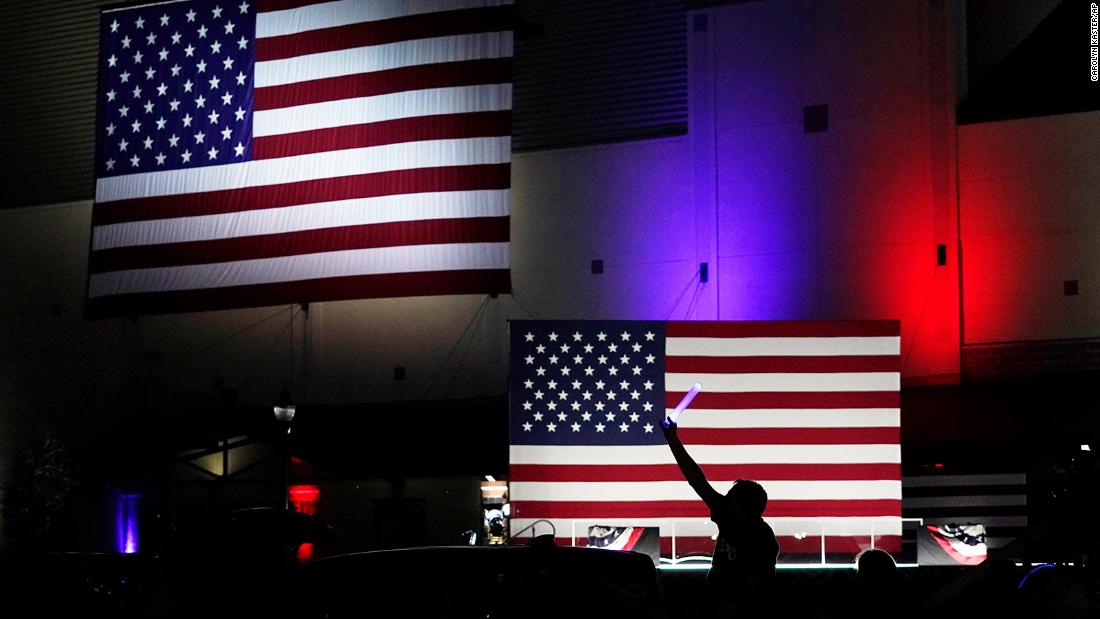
[(305, 551), (938, 465), (304, 498)]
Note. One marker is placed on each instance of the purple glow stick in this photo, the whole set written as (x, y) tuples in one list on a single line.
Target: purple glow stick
[(685, 402)]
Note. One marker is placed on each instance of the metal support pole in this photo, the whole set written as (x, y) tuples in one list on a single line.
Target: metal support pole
[(286, 469), (822, 543), (674, 541)]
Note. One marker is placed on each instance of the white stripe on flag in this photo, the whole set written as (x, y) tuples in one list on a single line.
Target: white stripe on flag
[(704, 527), (403, 259), (781, 346), (383, 57), (791, 418), (995, 500), (618, 544), (357, 212), (316, 166), (788, 382), (707, 454), (345, 12), (681, 491), (407, 104)]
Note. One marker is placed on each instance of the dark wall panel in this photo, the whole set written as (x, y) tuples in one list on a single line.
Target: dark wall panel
[(47, 99), (594, 71)]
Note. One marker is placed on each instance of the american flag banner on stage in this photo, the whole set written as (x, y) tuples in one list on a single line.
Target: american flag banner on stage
[(264, 152), (808, 409)]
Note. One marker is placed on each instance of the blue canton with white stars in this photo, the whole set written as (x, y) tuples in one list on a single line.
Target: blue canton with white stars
[(587, 382), (175, 87)]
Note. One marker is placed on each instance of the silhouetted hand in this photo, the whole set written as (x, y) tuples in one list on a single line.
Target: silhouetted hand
[(669, 428)]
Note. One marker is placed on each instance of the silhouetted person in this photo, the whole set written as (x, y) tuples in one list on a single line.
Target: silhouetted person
[(875, 569), (878, 590), (743, 565), (995, 592)]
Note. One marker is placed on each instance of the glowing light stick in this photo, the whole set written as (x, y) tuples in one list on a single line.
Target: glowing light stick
[(685, 402)]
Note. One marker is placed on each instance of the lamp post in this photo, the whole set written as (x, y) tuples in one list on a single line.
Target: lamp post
[(284, 413)]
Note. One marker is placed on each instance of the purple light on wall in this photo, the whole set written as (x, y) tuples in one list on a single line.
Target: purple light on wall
[(769, 221), (642, 224), (126, 523)]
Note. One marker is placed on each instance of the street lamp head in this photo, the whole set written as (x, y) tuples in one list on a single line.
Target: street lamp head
[(284, 407), (285, 414)]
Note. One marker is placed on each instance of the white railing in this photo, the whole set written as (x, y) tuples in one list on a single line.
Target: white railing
[(872, 528)]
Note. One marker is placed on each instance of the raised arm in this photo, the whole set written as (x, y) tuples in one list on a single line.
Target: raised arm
[(692, 473)]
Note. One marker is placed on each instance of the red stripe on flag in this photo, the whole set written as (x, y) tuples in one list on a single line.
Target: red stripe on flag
[(745, 365), (671, 472), (285, 293), (839, 544), (392, 234), (419, 77), (698, 509), (439, 127), (790, 436), (635, 535), (785, 328), (789, 399), (417, 180), (379, 32), (788, 545)]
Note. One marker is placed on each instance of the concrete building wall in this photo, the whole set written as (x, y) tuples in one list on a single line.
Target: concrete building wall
[(837, 224), (1029, 199), (843, 223)]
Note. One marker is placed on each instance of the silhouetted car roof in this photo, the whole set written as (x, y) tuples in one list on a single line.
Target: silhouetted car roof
[(484, 581)]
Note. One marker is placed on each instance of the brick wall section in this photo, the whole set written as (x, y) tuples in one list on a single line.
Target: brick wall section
[(1018, 358)]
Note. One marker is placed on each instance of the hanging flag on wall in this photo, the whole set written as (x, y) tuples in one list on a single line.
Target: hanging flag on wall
[(808, 409), (281, 151)]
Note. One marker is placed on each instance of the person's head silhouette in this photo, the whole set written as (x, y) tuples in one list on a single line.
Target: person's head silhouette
[(875, 568), (747, 499)]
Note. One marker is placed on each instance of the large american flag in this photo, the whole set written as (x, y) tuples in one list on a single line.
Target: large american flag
[(275, 151), (808, 409)]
